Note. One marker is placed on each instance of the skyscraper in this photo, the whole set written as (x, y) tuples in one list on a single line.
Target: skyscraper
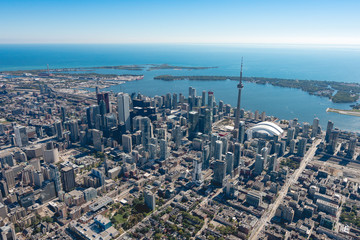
[(123, 100), (351, 148), (315, 127), (225, 145), (174, 101), (99, 175), (241, 131), (292, 146), (229, 163), (146, 132), (256, 115), (177, 136), (219, 173), (55, 176), (203, 98), (329, 128), (221, 106), (302, 147), (194, 124), (197, 174), (205, 157), (259, 164), (237, 152), (333, 140), (97, 140), (305, 130), (163, 149), (105, 97), (59, 130), (63, 114), (21, 137), (218, 150), (211, 100), (150, 200), (264, 154), (127, 143), (207, 122), (74, 130), (290, 135), (68, 178)]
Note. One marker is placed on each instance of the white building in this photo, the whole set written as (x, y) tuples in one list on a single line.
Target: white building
[(123, 103)]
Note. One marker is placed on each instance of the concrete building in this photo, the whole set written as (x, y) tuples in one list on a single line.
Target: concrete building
[(123, 104), (218, 150), (229, 163), (259, 164), (74, 130), (164, 151), (146, 131), (237, 155), (327, 207), (254, 198), (329, 128), (150, 200), (21, 137), (241, 131), (90, 194), (51, 154), (97, 136), (7, 232), (205, 157), (197, 173), (315, 127), (352, 147), (302, 147), (127, 143), (68, 178), (219, 173)]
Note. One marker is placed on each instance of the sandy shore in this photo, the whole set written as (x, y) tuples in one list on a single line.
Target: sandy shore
[(344, 112)]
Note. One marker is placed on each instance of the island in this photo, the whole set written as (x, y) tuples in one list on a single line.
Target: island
[(170, 67), (344, 92), (148, 67)]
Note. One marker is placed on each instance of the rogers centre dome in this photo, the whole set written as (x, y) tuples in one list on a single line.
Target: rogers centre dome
[(264, 129)]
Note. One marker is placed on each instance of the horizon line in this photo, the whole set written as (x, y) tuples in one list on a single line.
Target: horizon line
[(223, 44)]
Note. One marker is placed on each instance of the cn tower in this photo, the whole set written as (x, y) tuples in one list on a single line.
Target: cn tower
[(239, 86)]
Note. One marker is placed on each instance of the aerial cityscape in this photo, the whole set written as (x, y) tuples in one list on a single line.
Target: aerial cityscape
[(179, 134)]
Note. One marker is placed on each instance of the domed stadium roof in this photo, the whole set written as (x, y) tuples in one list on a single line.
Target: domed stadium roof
[(268, 128)]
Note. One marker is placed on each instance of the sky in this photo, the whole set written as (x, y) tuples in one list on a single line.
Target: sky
[(323, 22)]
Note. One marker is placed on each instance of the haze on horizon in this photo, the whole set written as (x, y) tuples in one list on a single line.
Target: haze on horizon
[(323, 22)]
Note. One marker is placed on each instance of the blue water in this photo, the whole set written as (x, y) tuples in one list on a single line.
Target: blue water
[(318, 63)]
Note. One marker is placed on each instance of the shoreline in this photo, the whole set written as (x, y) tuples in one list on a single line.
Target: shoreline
[(344, 112), (135, 67), (337, 92)]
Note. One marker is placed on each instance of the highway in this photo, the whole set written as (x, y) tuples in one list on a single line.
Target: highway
[(270, 212)]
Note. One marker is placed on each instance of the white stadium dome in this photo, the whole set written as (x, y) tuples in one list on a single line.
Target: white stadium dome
[(269, 129)]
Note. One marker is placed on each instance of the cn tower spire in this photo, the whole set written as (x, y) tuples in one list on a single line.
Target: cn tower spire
[(239, 86)]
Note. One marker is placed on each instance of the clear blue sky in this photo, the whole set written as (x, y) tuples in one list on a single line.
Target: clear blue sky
[(180, 21)]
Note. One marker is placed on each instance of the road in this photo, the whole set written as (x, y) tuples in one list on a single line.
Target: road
[(145, 219), (207, 221), (270, 212)]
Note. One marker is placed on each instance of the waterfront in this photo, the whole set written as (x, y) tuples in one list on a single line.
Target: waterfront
[(334, 64)]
